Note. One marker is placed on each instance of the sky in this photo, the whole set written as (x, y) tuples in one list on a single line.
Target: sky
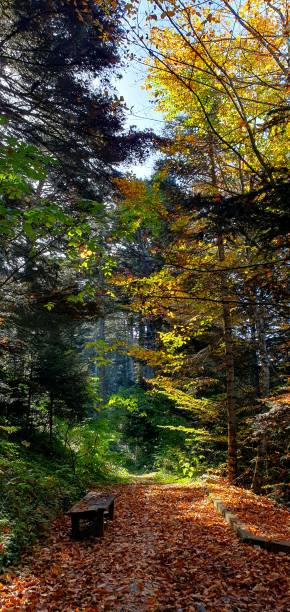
[(141, 113)]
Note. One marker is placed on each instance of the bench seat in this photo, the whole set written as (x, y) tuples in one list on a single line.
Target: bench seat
[(93, 507)]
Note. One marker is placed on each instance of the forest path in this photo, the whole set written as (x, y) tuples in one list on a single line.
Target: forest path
[(167, 549)]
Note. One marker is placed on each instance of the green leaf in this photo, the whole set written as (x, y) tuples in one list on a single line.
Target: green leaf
[(49, 306), (28, 230)]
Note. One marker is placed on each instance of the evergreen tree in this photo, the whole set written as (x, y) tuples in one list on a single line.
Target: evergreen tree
[(55, 88)]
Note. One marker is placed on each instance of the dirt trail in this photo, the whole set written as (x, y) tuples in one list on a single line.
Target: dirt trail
[(167, 549)]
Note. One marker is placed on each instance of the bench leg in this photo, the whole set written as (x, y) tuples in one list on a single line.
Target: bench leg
[(99, 524), (75, 531), (111, 512)]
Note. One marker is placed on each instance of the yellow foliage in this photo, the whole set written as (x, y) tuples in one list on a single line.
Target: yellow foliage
[(224, 70), (132, 189)]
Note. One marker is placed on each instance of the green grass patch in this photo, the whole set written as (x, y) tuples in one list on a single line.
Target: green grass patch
[(160, 477)]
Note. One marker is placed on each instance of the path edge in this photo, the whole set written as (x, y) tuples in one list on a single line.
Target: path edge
[(246, 536)]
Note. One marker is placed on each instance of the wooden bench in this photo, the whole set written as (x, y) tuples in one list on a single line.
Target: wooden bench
[(93, 507)]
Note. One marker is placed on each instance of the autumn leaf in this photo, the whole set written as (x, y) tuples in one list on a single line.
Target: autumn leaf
[(167, 549)]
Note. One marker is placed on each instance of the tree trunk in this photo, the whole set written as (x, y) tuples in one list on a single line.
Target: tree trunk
[(253, 361), (230, 371), (264, 367), (146, 339), (264, 389), (29, 400), (101, 369), (228, 337), (149, 343), (129, 359), (50, 417), (141, 342), (260, 464)]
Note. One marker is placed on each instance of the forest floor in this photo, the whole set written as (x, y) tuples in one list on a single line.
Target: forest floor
[(167, 549)]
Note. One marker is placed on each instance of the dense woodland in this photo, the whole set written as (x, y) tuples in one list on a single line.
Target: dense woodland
[(144, 322)]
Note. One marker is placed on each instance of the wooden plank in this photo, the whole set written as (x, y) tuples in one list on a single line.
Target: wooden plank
[(92, 502), (99, 524), (93, 506)]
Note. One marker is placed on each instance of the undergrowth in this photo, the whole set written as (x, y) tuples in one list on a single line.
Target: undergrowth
[(40, 478), (38, 481), (161, 477)]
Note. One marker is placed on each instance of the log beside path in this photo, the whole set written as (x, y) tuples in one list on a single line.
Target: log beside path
[(246, 536)]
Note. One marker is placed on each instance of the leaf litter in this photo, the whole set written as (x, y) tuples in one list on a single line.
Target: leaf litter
[(167, 549), (260, 515)]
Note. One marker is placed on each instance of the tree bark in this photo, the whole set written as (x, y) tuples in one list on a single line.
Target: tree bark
[(228, 336), (264, 389), (101, 369), (29, 400), (230, 370), (264, 366), (253, 361), (50, 417), (257, 481), (141, 342), (130, 340)]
